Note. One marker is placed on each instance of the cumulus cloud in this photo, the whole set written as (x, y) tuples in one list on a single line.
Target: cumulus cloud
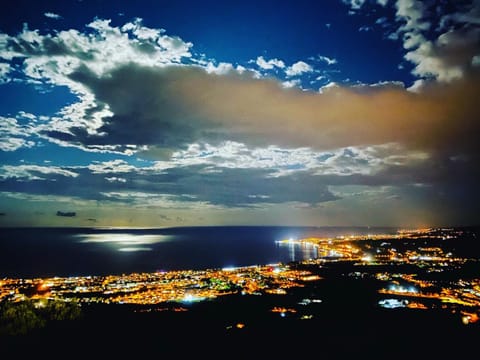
[(269, 64), (412, 13), (291, 83), (14, 134), (470, 14), (441, 39), (111, 167), (447, 56), (221, 68), (53, 58), (298, 68), (12, 144)]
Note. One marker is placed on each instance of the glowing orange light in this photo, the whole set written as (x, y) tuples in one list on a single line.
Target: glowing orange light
[(469, 318)]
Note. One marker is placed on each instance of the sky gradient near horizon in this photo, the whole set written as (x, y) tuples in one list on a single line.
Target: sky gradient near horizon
[(178, 113)]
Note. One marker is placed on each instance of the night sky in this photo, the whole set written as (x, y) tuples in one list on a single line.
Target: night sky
[(178, 113)]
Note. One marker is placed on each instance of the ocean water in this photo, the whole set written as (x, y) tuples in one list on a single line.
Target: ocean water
[(42, 252)]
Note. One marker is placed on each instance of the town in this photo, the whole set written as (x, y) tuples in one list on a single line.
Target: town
[(406, 267)]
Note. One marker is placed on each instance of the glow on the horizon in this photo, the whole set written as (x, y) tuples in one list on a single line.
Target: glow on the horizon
[(229, 268), (123, 239), (134, 249)]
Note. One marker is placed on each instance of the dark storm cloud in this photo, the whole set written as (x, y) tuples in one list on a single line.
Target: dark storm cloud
[(173, 106), (153, 113)]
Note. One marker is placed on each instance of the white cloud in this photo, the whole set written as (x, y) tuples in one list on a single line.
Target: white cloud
[(393, 36), (412, 40), (381, 20), (11, 127), (417, 86), (269, 64), (111, 167), (56, 199), (412, 13), (361, 191), (142, 32), (354, 4), (381, 85), (365, 160), (4, 70), (258, 196), (298, 68), (220, 69), (33, 172), (100, 52), (328, 60), (106, 48), (329, 86), (291, 83), (52, 15), (116, 179), (240, 69), (446, 57), (175, 47), (12, 144), (14, 135)]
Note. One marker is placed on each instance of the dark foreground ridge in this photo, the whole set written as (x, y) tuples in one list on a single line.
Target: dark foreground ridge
[(244, 326)]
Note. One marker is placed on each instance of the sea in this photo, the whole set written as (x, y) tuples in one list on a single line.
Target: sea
[(63, 252)]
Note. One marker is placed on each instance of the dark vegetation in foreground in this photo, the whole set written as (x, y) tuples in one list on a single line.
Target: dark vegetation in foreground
[(20, 318), (344, 326)]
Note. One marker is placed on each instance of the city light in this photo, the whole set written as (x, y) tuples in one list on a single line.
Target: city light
[(188, 286)]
